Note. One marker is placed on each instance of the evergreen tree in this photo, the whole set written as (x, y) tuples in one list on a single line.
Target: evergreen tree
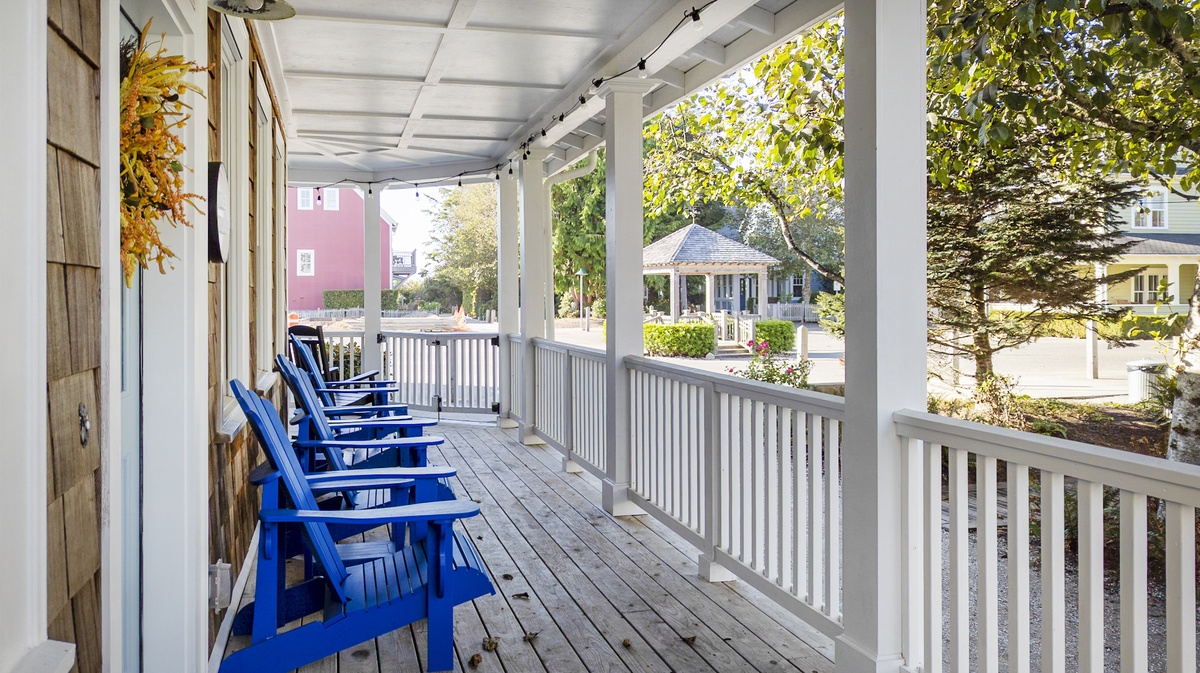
[(1015, 231), (464, 240)]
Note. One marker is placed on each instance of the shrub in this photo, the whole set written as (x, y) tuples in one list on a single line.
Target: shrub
[(779, 335), (691, 340), (599, 307), (764, 367), (389, 299), (567, 307), (1127, 326)]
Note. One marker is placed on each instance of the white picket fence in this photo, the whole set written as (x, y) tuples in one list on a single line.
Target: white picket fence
[(1053, 478), (570, 405)]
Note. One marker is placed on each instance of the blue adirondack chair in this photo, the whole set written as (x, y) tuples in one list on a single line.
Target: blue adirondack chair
[(317, 431), (363, 389), (359, 595), (352, 489)]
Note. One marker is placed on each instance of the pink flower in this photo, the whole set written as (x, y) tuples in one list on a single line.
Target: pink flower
[(791, 370), (751, 343)]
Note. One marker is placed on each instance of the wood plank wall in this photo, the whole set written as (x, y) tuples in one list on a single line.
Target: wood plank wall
[(233, 503), (73, 322)]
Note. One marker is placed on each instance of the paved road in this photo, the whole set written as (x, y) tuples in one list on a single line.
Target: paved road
[(1050, 367)]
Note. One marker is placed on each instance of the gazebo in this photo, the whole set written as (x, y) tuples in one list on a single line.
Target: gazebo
[(697, 251)]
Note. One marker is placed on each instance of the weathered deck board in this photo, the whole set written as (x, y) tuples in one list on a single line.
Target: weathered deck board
[(592, 582)]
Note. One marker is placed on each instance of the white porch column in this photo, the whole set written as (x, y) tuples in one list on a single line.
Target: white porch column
[(372, 301), (763, 291), (623, 329), (534, 278), (507, 231), (674, 279), (885, 314), (1173, 283), (710, 301), (737, 305)]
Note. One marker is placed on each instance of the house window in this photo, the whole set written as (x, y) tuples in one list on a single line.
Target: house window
[(1145, 288), (797, 287), (331, 198), (1150, 211), (304, 198), (306, 263)]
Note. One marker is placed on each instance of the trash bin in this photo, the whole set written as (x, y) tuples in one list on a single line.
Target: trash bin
[(1142, 375)]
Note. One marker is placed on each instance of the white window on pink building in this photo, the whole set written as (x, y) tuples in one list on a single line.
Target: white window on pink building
[(331, 198), (304, 198), (306, 263)]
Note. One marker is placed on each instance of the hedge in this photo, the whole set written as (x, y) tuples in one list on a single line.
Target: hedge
[(780, 334), (691, 340), (354, 299), (1114, 329)]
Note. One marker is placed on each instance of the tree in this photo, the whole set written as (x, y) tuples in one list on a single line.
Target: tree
[(579, 232), (821, 233), (464, 240), (1018, 232)]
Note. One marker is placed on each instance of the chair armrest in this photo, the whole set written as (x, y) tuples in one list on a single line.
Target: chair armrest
[(385, 422), (442, 510), (365, 376), (428, 440), (384, 474), (355, 385), (360, 484), (361, 409)]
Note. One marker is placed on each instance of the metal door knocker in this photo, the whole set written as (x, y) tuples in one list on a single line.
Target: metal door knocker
[(85, 425)]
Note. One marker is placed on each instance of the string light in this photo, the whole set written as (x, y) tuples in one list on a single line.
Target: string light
[(694, 15), (318, 194), (642, 69)]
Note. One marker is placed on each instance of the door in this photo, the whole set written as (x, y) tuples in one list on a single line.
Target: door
[(131, 475)]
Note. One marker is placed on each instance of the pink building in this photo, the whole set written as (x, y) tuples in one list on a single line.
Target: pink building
[(325, 245)]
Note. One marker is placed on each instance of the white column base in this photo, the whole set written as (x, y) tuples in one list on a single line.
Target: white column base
[(615, 500), (506, 423), (711, 571), (850, 658), (571, 467), (51, 656), (528, 438)]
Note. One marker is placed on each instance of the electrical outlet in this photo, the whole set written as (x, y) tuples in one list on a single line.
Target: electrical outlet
[(220, 585)]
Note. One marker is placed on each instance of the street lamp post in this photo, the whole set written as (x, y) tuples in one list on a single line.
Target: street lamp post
[(582, 319)]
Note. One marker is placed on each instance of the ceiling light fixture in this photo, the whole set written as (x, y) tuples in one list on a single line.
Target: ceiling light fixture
[(260, 10)]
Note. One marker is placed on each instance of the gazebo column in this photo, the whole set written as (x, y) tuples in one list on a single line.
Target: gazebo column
[(737, 294), (710, 301), (885, 325), (674, 294), (534, 280), (507, 299), (623, 276), (762, 293)]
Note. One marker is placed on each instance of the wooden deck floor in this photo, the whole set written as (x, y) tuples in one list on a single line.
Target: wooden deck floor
[(600, 593)]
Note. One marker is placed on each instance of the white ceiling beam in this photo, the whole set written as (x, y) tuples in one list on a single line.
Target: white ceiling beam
[(404, 115), (438, 28), (709, 51), (579, 115), (346, 142), (757, 19), (672, 76), (343, 135), (416, 81), (456, 136), (572, 140), (714, 17), (443, 150), (320, 147), (572, 156), (592, 128)]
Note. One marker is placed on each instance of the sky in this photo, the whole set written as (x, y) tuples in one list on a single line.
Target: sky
[(415, 225)]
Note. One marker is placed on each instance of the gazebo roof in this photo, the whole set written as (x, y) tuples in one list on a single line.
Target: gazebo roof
[(694, 245)]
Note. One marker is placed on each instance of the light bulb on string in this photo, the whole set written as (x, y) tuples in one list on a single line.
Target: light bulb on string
[(318, 194), (642, 69), (696, 22)]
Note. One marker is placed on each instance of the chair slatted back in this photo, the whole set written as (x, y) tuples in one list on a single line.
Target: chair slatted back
[(306, 397), (312, 338), (272, 436), (311, 370)]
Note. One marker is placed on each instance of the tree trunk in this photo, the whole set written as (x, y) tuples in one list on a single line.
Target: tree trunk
[(1184, 441), (982, 354)]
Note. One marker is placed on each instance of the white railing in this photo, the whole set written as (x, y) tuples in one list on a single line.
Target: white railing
[(793, 312), (450, 371), (570, 402), (345, 351), (747, 472), (516, 367), (1077, 490)]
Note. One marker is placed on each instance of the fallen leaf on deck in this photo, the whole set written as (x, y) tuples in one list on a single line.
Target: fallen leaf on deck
[(690, 640), (490, 644), (626, 643), (523, 594), (477, 500), (475, 660), (507, 576), (531, 635)]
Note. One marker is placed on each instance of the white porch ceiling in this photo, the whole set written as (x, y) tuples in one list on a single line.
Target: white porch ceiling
[(431, 88)]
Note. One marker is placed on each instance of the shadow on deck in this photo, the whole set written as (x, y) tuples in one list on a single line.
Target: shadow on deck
[(600, 593)]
